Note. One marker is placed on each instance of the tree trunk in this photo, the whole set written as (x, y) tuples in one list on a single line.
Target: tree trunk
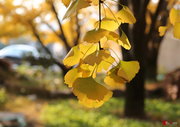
[(134, 100), (135, 92), (152, 65)]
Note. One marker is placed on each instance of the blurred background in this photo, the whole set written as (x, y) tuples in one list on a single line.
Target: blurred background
[(34, 40)]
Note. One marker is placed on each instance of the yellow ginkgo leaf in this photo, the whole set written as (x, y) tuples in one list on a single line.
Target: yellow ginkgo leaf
[(94, 36), (71, 76), (128, 70), (121, 40), (79, 52), (75, 6), (102, 59), (125, 15), (87, 70), (113, 80), (66, 2), (108, 24), (177, 30), (90, 93), (162, 30), (73, 57), (174, 16), (87, 49), (78, 72)]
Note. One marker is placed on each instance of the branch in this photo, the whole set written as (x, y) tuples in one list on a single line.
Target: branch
[(154, 19), (100, 21), (60, 26), (78, 30), (36, 34), (51, 28)]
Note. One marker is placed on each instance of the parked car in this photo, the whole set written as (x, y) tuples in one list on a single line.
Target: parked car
[(17, 52)]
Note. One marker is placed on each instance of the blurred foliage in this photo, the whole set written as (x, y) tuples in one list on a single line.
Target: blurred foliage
[(3, 97), (69, 114), (37, 76)]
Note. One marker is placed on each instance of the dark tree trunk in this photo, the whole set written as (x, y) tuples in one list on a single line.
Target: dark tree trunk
[(135, 92), (152, 65)]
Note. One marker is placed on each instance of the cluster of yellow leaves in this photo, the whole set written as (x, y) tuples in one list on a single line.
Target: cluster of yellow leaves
[(89, 57), (174, 17)]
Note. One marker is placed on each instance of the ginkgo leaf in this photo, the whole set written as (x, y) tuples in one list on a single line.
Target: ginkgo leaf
[(75, 6), (125, 15), (79, 52), (108, 24), (78, 72), (113, 80), (90, 93), (121, 40), (94, 35), (73, 57), (87, 49), (122, 73), (177, 30), (87, 70), (174, 16), (162, 30), (128, 70), (102, 59), (66, 2), (71, 76)]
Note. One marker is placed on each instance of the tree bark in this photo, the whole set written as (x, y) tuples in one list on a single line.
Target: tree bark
[(135, 92)]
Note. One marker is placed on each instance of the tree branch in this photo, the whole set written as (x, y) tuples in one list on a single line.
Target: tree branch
[(62, 35), (77, 30), (154, 20), (51, 28), (36, 34)]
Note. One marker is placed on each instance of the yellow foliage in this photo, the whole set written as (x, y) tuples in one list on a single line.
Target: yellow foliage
[(128, 70), (94, 56), (73, 57), (79, 52), (121, 40), (113, 80), (122, 73), (125, 15), (177, 30), (90, 93), (101, 58), (174, 16), (75, 6), (94, 36), (108, 24), (162, 30)]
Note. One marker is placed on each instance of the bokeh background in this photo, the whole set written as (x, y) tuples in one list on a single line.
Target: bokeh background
[(34, 40)]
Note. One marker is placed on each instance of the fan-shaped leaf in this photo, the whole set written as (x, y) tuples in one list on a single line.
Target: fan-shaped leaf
[(75, 6), (128, 70), (125, 15), (90, 93), (108, 24), (94, 35), (102, 59), (73, 57), (121, 40)]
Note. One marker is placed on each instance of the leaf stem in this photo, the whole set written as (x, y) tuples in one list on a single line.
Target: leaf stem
[(100, 21), (99, 14)]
